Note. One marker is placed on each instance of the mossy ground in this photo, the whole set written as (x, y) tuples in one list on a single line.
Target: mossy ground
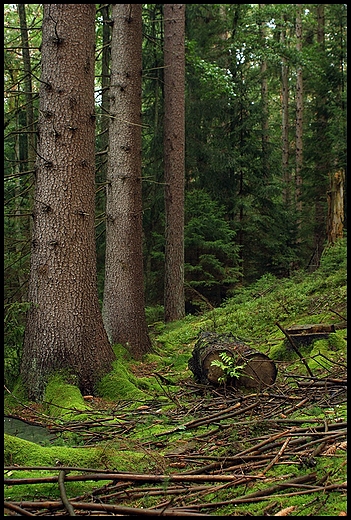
[(151, 390)]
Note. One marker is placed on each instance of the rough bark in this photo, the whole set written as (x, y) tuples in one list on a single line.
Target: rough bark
[(336, 207), (323, 144), (264, 99), (299, 116), (258, 370), (123, 306), (285, 120), (174, 159), (307, 334), (64, 327), (27, 80)]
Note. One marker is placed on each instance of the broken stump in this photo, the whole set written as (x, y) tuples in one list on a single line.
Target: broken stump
[(259, 370)]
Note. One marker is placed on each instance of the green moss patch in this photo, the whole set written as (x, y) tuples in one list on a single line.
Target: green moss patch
[(63, 399)]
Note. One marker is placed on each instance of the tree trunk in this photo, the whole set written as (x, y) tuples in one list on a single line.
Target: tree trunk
[(299, 117), (258, 370), (64, 327), (336, 207), (27, 159), (174, 159), (264, 98), (323, 144), (123, 307), (285, 120)]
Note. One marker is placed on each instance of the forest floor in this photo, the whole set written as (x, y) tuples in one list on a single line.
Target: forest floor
[(218, 452), (154, 442)]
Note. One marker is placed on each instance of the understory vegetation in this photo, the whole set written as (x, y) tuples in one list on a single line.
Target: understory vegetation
[(176, 447)]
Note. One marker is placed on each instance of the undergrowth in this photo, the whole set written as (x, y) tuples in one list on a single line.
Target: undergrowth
[(156, 384)]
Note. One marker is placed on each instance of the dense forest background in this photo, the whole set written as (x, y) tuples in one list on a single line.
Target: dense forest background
[(265, 154)]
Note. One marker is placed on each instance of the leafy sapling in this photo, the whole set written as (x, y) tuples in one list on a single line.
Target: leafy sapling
[(229, 367)]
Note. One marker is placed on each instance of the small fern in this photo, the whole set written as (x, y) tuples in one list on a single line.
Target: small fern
[(228, 365)]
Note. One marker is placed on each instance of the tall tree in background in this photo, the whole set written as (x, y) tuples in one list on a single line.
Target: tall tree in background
[(123, 305), (174, 159), (64, 327), (335, 227), (299, 115), (264, 93), (323, 163), (30, 129), (285, 117), (102, 127)]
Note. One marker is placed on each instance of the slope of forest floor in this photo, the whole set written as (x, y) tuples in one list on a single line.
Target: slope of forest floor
[(155, 442)]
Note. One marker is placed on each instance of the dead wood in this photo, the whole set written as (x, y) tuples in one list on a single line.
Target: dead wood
[(292, 343), (65, 501), (258, 370), (266, 437), (86, 506)]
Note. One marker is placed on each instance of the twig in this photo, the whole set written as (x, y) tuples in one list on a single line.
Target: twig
[(295, 348), (65, 501), (277, 457), (184, 477), (134, 511), (18, 509), (214, 417)]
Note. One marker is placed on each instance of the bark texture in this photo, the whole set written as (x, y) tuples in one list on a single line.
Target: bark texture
[(285, 119), (123, 307), (64, 327), (299, 116), (336, 207), (174, 159)]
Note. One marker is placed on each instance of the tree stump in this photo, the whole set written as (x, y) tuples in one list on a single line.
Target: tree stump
[(258, 370)]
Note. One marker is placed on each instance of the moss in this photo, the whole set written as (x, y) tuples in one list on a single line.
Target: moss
[(280, 352), (21, 452), (63, 399), (18, 396), (321, 357), (120, 384), (337, 340), (24, 453)]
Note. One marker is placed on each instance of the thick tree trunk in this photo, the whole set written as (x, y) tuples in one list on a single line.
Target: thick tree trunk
[(123, 307), (174, 159), (64, 324), (258, 370)]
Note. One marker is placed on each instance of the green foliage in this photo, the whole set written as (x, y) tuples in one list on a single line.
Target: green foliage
[(14, 325), (229, 366), (212, 262), (62, 396), (334, 259), (154, 314), (250, 313)]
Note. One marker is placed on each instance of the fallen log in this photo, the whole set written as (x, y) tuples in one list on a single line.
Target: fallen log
[(254, 369), (304, 335)]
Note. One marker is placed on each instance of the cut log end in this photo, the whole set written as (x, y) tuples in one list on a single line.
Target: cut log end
[(259, 372)]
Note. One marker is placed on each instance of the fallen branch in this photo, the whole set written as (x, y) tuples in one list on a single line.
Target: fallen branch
[(133, 511), (186, 477), (65, 501), (295, 348)]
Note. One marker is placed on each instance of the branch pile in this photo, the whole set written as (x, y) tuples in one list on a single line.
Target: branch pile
[(237, 439)]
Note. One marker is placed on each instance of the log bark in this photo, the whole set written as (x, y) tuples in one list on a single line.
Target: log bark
[(258, 370), (303, 335)]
